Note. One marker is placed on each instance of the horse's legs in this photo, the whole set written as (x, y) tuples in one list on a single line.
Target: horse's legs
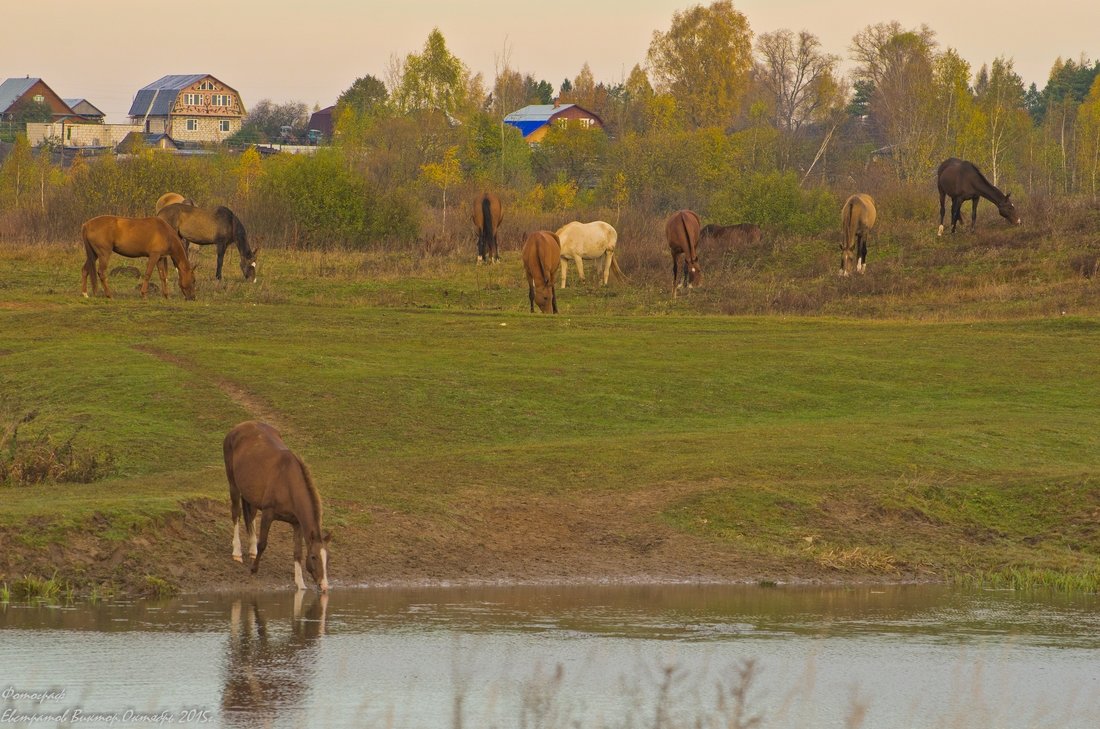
[(674, 276), (564, 271), (531, 295), (162, 268), (301, 583), (266, 518), (101, 270), (942, 196), (606, 263), (580, 266), (554, 298), (235, 513), (973, 213), (221, 256), (861, 261), (956, 212)]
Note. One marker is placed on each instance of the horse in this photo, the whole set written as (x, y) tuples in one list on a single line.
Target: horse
[(592, 241), (963, 181), (541, 258), (487, 215), (682, 233), (739, 235), (857, 217), (171, 198), (133, 238), (218, 227), (264, 475)]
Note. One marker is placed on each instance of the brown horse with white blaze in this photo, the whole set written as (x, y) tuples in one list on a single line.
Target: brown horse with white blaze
[(487, 216), (682, 233), (150, 238), (266, 476), (963, 181), (857, 217), (541, 258)]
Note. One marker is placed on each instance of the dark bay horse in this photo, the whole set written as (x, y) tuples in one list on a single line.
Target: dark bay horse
[(682, 232), (133, 238), (857, 217), (218, 227), (266, 476), (963, 181), (738, 235), (487, 215), (541, 258)]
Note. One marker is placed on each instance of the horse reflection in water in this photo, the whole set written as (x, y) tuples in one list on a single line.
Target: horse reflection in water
[(269, 658)]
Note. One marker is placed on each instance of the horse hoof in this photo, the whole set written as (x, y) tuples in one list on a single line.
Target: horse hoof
[(237, 558), (939, 232), (85, 294)]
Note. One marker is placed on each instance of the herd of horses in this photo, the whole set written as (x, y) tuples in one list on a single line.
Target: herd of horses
[(266, 478)]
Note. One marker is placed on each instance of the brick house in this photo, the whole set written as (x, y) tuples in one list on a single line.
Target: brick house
[(193, 108)]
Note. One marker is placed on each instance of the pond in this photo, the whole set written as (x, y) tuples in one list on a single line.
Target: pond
[(546, 657)]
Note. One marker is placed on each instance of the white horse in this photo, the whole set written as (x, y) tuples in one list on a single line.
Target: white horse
[(591, 241)]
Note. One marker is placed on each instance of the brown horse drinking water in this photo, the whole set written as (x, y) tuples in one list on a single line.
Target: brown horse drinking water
[(963, 181), (682, 233), (487, 214), (264, 475), (218, 227), (133, 238)]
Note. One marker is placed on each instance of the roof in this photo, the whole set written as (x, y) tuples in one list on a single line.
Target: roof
[(92, 109), (12, 90), (158, 98), (162, 141), (530, 118)]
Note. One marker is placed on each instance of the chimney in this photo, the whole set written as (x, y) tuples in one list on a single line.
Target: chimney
[(557, 103)]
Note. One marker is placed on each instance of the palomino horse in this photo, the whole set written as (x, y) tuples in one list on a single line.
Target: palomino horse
[(264, 475), (963, 181), (487, 215), (682, 232), (592, 241), (133, 238), (171, 198), (218, 227), (857, 217), (541, 258)]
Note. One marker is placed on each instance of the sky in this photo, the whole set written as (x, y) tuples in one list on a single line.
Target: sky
[(311, 51)]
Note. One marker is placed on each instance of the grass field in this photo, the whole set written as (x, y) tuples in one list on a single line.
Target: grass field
[(454, 436)]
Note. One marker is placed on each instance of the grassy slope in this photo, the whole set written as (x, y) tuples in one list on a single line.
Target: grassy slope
[(795, 445)]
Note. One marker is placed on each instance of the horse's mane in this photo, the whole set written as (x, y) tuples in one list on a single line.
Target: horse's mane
[(314, 497)]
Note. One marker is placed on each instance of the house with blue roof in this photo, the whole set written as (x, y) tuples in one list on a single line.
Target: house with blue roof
[(189, 108), (535, 121)]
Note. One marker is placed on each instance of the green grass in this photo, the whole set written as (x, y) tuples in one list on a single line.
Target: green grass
[(896, 445)]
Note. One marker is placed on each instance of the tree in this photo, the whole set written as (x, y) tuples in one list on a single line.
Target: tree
[(266, 120), (1002, 118), (443, 175), (434, 80), (955, 102), (1088, 149), (367, 95), (799, 79), (33, 111), (704, 62), (897, 64)]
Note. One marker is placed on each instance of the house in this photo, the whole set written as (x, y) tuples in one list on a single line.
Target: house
[(321, 120), (534, 121), (15, 93), (86, 110), (194, 108), (137, 140)]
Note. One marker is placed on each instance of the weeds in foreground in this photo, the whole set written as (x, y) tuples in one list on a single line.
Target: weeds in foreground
[(30, 587), (158, 588), (42, 459), (1026, 579)]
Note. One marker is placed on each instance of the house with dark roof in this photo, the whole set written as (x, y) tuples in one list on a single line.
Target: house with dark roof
[(86, 110), (15, 93), (321, 120), (534, 121), (192, 108)]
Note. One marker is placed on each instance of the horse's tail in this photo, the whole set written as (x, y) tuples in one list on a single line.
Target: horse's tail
[(615, 267), (542, 269), (486, 218), (691, 243), (848, 224)]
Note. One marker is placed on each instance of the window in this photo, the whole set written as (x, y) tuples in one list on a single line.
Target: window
[(206, 86), (225, 125), (585, 123), (192, 125), (192, 99), (221, 100), (39, 98)]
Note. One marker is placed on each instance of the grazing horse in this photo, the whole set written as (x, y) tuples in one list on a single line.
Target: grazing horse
[(963, 181), (171, 198), (218, 227), (682, 232), (541, 258), (739, 235), (594, 241), (857, 217), (133, 238), (487, 215), (264, 475)]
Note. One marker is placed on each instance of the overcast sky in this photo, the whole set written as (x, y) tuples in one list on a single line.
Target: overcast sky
[(312, 50)]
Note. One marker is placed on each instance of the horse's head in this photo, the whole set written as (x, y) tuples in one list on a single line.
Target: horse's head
[(317, 560), (544, 296), (187, 282), (248, 265), (695, 274), (1008, 211)]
